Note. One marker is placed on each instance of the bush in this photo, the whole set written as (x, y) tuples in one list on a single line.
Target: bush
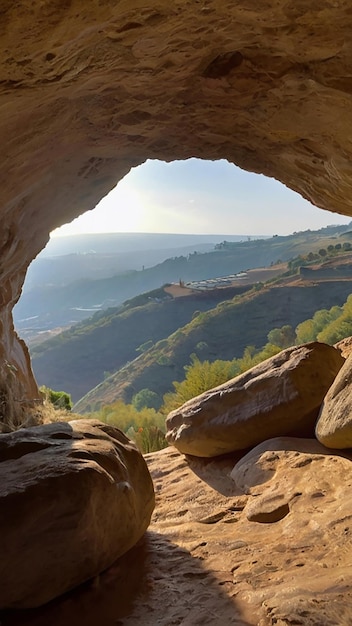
[(201, 345), (163, 359), (59, 399), (146, 427), (203, 375), (145, 346), (148, 438)]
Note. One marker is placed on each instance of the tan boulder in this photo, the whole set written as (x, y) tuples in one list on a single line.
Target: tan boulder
[(275, 471), (334, 426), (261, 463), (204, 563), (73, 498), (281, 396)]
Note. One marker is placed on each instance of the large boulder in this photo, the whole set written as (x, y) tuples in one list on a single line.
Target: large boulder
[(281, 396), (73, 498), (261, 465), (285, 475), (334, 426)]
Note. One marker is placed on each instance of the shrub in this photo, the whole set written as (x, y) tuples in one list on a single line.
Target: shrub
[(144, 346), (148, 438), (59, 399), (202, 376), (146, 427)]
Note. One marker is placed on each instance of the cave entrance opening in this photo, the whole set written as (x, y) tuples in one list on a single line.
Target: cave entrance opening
[(196, 196), (159, 211)]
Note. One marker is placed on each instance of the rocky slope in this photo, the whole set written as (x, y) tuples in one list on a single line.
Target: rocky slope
[(226, 331)]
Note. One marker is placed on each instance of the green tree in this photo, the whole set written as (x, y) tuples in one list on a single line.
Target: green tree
[(282, 337), (310, 329), (200, 376), (339, 325), (146, 398), (305, 332), (247, 359)]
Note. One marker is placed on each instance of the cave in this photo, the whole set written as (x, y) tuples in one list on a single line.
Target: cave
[(89, 91)]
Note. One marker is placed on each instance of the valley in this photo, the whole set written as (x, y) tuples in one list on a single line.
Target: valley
[(147, 342), (73, 291)]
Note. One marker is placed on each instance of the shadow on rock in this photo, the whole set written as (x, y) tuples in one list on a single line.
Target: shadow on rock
[(104, 600), (215, 471), (157, 582)]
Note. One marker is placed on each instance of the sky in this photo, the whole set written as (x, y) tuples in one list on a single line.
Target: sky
[(200, 197)]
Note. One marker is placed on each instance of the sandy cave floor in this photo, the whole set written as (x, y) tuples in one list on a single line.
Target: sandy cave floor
[(203, 562)]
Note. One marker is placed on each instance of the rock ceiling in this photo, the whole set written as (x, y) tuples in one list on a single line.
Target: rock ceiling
[(89, 90)]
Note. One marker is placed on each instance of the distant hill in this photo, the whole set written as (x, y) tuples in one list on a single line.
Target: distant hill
[(58, 305), (77, 359), (48, 271), (218, 323), (107, 243), (220, 333), (68, 259)]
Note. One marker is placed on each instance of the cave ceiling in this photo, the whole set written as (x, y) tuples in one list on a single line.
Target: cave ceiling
[(90, 89)]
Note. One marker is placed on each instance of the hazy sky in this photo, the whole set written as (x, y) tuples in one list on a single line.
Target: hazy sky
[(200, 197)]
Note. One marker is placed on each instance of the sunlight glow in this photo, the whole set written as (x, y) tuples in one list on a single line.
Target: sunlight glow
[(200, 197), (122, 210)]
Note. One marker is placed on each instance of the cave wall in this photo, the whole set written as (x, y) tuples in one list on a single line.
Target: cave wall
[(90, 89)]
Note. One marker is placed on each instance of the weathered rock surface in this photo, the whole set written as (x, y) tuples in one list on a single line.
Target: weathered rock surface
[(73, 497), (260, 464), (89, 90), (281, 396), (203, 562), (334, 426), (345, 346)]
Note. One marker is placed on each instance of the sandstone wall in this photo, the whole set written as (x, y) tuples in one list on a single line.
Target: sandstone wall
[(89, 90)]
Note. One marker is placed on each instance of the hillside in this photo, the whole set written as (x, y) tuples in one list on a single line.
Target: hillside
[(79, 358), (68, 259), (49, 306), (220, 333)]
